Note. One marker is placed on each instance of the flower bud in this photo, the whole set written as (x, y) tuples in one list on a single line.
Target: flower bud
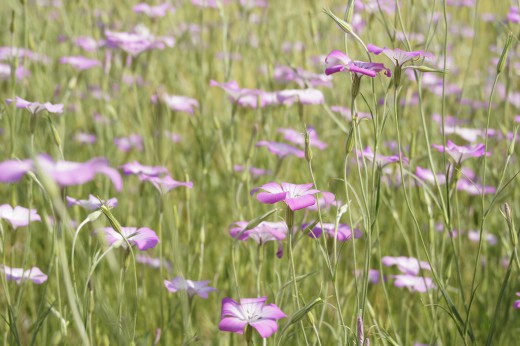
[(308, 150), (346, 27), (511, 148), (349, 145), (503, 56), (397, 75), (356, 81), (510, 225)]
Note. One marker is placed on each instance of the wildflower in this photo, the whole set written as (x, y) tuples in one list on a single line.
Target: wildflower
[(344, 232), (474, 188), (18, 274), (153, 261), (92, 203), (281, 149), (250, 312), (298, 138), (325, 202), (153, 11), (295, 196), (427, 176), (516, 304), (18, 216), (35, 107), (462, 153), (474, 236), (80, 62), (413, 283), (134, 43), (264, 232), (136, 168), (345, 112), (339, 62), (180, 103), (398, 56), (301, 77), (407, 265), (85, 138), (143, 238), (167, 183), (13, 170), (66, 173), (303, 96), (126, 144), (87, 43), (254, 171), (200, 288), (209, 3), (381, 160), (246, 97)]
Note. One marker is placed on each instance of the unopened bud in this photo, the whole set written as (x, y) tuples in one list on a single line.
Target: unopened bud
[(397, 75), (350, 11), (423, 68), (289, 218), (511, 148), (510, 225), (346, 27), (356, 81), (505, 51), (308, 150), (12, 26), (349, 146)]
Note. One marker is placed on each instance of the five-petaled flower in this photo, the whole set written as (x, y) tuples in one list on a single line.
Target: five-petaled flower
[(251, 311), (200, 288), (295, 196), (35, 107), (339, 62), (143, 238), (18, 216)]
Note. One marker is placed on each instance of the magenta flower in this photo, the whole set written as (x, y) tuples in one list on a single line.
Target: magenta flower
[(264, 232), (92, 203), (474, 188), (516, 304), (80, 62), (325, 202), (153, 11), (407, 265), (398, 56), (166, 184), (339, 62), (143, 238), (18, 274), (246, 97), (298, 138), (152, 262), (126, 144), (235, 317), (180, 103), (381, 160), (18, 216), (200, 288), (462, 153), (427, 176), (136, 168), (301, 77), (254, 171), (67, 173), (345, 112), (87, 43), (281, 149), (344, 231), (413, 283), (35, 107), (295, 196), (136, 43)]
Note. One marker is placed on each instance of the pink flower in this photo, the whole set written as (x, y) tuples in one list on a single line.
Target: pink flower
[(303, 96), (180, 103), (398, 56), (126, 144), (18, 274), (413, 283), (516, 304), (36, 107), (281, 149), (136, 168), (254, 171), (251, 311), (382, 160), (92, 203), (339, 62), (167, 183), (80, 62), (462, 153), (427, 176), (200, 288), (136, 43), (407, 265), (295, 196), (344, 231), (153, 11), (298, 138), (143, 238), (18, 216)]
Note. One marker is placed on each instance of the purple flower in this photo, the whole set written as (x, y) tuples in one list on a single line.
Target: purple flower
[(301, 77), (126, 144), (180, 103), (325, 202), (345, 112), (13, 170), (18, 216), (398, 56), (513, 15), (152, 261), (136, 43), (298, 138), (67, 173), (281, 149), (339, 62), (251, 311), (209, 3), (407, 265), (473, 188), (165, 184), (254, 171), (246, 97), (136, 168), (153, 11), (87, 43), (143, 238), (18, 274), (344, 231), (413, 283), (381, 160), (295, 196), (35, 107), (264, 232), (85, 138), (80, 62), (462, 153), (303, 96), (200, 288), (427, 176), (474, 236), (516, 304), (92, 203)]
